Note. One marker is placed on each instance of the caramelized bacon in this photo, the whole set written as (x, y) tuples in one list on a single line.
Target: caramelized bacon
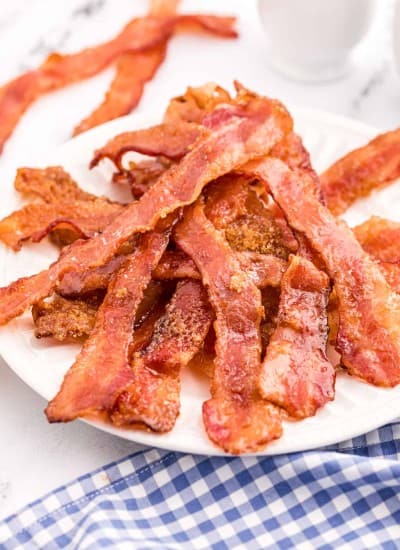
[(236, 417), (141, 176), (195, 103), (380, 238), (34, 221), (235, 134), (173, 138), (58, 70), (167, 140), (360, 172), (101, 370), (153, 397), (65, 320), (133, 70), (296, 374), (51, 185), (369, 311)]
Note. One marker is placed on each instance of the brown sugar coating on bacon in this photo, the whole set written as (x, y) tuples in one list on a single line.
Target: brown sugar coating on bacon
[(65, 320), (296, 374), (361, 171), (51, 184), (236, 417), (133, 70), (153, 398), (235, 134), (101, 370), (369, 311), (34, 221)]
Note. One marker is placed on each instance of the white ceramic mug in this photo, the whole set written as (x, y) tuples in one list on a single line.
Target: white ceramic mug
[(312, 39)]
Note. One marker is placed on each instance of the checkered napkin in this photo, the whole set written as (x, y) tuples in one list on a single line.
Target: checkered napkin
[(343, 497)]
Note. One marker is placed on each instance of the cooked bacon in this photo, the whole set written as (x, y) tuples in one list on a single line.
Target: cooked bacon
[(248, 222), (51, 184), (175, 264), (202, 364), (58, 70), (360, 172), (133, 70), (296, 374), (380, 238), (102, 371), (167, 140), (34, 221), (235, 134), (65, 320), (173, 138), (369, 311), (195, 103), (142, 175), (163, 7), (153, 398), (236, 417)]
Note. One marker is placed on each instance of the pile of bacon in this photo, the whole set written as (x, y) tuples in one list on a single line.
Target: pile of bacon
[(137, 53), (229, 260)]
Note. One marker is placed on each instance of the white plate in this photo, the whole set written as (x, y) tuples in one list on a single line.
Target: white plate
[(357, 407)]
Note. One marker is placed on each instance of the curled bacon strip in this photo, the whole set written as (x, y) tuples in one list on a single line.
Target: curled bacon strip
[(34, 221), (101, 370), (235, 134), (153, 397), (167, 140), (357, 174), (133, 70), (236, 417), (59, 70), (296, 374), (369, 311)]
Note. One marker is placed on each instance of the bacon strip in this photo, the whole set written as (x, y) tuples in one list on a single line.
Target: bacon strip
[(59, 70), (236, 417), (133, 71), (34, 221), (101, 370), (153, 397), (296, 374), (369, 311), (167, 140), (235, 135), (51, 184), (357, 174)]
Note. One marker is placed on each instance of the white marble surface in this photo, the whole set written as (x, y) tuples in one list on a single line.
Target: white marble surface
[(36, 457)]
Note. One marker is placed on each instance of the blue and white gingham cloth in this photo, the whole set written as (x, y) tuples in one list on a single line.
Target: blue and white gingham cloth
[(344, 497)]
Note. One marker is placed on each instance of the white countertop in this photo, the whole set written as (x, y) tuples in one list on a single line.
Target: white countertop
[(36, 457)]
